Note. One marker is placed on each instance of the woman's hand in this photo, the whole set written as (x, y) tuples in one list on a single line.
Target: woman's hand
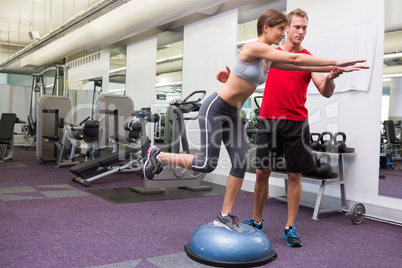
[(345, 63), (353, 68), (223, 75)]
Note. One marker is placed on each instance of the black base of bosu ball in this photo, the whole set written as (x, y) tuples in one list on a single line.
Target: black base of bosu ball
[(217, 246)]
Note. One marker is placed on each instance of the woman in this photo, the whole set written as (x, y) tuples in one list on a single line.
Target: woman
[(219, 116)]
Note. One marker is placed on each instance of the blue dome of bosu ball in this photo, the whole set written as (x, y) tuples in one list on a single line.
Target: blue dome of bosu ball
[(218, 246)]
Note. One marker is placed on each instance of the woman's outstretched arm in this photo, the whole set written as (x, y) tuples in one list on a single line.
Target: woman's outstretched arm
[(262, 50)]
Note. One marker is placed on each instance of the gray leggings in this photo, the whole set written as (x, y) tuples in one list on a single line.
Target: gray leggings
[(221, 122)]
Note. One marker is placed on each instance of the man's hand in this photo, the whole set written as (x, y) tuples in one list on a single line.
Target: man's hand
[(335, 72), (223, 75), (327, 86)]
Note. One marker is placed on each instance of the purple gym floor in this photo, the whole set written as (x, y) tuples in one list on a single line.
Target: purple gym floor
[(46, 220)]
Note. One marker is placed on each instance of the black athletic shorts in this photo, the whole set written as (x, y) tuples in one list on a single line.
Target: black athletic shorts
[(284, 143)]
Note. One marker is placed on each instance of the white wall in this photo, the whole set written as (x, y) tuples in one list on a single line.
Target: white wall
[(358, 114), (141, 75), (141, 72), (395, 100), (5, 99), (93, 69), (208, 46), (15, 99), (3, 79)]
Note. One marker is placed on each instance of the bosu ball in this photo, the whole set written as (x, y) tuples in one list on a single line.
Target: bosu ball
[(217, 246)]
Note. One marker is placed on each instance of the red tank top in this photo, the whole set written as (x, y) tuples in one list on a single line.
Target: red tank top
[(285, 94)]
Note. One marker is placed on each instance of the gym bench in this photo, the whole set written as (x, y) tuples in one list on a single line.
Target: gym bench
[(334, 179), (89, 171)]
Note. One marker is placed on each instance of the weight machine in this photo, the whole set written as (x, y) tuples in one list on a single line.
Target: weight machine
[(128, 155), (69, 145), (175, 176), (60, 84), (49, 110)]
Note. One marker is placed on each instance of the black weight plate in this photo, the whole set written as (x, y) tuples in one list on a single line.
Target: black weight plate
[(357, 213)]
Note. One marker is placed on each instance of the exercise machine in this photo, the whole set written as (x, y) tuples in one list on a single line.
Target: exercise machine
[(112, 112), (115, 111), (49, 110), (59, 88), (128, 157), (29, 132), (69, 146), (136, 129), (7, 123), (254, 122), (174, 176)]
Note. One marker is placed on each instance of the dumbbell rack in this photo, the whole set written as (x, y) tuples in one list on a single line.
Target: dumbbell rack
[(334, 179)]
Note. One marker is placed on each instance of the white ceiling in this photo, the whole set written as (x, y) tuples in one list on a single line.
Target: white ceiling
[(18, 17)]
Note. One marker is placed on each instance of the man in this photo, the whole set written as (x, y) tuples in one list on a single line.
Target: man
[(284, 126)]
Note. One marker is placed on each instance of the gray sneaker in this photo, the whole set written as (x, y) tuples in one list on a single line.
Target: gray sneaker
[(229, 222), (152, 165)]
